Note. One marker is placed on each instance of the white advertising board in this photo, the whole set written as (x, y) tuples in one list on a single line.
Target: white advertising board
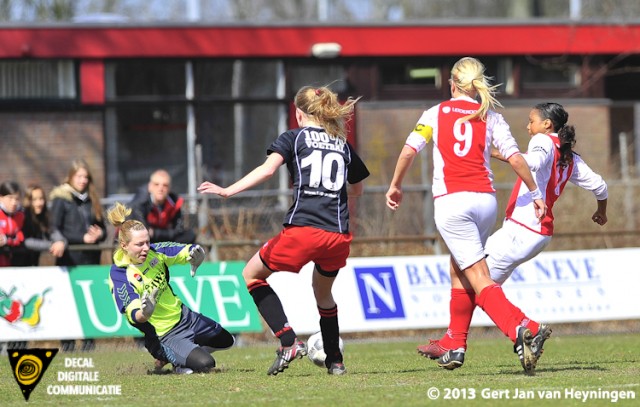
[(37, 303), (412, 292)]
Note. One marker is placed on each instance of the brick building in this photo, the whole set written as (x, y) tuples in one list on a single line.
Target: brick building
[(204, 101)]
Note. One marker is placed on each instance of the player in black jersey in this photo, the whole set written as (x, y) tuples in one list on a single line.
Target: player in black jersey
[(316, 228)]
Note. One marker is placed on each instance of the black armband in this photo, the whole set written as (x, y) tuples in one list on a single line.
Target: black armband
[(133, 316)]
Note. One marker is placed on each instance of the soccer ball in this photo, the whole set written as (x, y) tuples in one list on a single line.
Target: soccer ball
[(315, 349)]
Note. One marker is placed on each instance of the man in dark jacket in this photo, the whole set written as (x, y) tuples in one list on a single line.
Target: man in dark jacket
[(161, 210)]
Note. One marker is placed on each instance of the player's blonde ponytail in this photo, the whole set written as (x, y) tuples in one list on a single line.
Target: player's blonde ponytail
[(468, 76), (323, 106)]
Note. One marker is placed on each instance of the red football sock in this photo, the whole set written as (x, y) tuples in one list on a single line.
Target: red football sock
[(461, 308), (533, 326), (502, 312)]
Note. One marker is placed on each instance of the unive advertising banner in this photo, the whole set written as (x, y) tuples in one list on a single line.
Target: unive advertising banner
[(59, 303), (375, 293), (412, 292)]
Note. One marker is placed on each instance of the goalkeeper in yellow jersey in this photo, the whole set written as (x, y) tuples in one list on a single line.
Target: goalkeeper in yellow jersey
[(141, 290)]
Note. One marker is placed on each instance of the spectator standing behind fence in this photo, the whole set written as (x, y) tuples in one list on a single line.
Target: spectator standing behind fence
[(77, 213), (11, 221), (39, 236), (161, 210)]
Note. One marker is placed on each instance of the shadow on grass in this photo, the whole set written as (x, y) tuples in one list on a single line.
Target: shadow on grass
[(575, 365), (553, 369), (162, 372), (402, 371), (572, 368)]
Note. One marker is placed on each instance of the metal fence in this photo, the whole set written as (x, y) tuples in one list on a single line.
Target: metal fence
[(235, 227)]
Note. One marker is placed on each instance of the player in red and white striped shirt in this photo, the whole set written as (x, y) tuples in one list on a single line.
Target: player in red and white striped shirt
[(463, 132), (553, 163)]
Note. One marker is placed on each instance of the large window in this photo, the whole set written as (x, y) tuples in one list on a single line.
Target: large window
[(622, 80), (37, 80), (549, 73), (149, 137), (160, 111), (240, 111), (415, 78), (412, 73), (238, 79), (316, 73), (147, 79), (234, 138)]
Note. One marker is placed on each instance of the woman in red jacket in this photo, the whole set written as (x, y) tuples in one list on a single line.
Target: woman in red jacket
[(11, 221)]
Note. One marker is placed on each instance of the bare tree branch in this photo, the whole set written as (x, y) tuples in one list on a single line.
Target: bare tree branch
[(291, 11)]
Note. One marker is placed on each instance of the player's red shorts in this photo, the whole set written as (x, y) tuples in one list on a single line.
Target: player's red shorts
[(296, 246)]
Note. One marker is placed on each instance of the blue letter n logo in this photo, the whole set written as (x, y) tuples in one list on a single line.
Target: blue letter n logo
[(379, 292)]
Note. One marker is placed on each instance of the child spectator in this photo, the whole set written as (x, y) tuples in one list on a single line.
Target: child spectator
[(11, 221), (39, 236)]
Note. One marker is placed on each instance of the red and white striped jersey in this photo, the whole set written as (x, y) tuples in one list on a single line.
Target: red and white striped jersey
[(542, 157), (462, 150)]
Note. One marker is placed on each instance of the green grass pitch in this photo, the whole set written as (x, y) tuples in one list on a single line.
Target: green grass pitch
[(380, 373)]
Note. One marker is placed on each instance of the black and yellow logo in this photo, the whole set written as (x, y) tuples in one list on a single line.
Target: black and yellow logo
[(28, 366)]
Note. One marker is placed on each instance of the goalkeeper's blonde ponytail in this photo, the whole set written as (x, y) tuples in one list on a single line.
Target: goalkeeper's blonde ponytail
[(117, 216)]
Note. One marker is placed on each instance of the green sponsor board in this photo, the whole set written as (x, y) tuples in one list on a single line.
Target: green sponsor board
[(217, 291)]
